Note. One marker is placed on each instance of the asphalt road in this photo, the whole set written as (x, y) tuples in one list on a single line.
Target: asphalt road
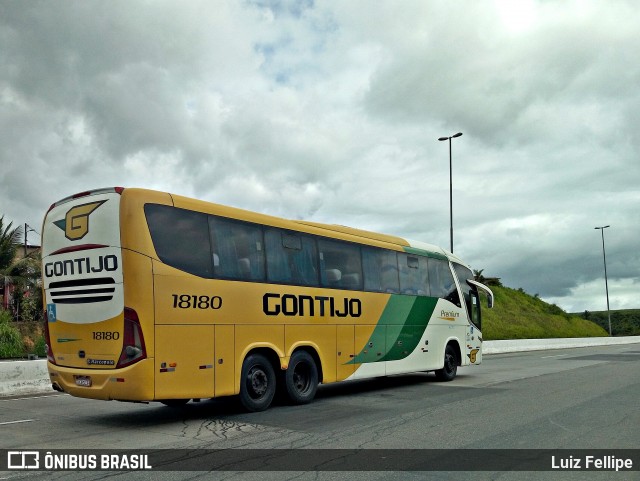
[(586, 398)]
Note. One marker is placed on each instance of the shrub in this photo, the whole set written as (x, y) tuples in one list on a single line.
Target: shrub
[(10, 338), (40, 347)]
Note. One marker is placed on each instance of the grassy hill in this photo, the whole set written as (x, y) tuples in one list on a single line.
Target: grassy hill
[(517, 315), (625, 322)]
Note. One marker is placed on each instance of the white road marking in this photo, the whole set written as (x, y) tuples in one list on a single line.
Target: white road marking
[(16, 422)]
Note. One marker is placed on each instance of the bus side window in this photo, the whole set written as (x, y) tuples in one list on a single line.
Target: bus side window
[(291, 258), (380, 270), (441, 281), (414, 275), (237, 250), (343, 258)]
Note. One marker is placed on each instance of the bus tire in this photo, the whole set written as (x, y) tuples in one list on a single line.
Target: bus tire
[(450, 368), (257, 384), (301, 378)]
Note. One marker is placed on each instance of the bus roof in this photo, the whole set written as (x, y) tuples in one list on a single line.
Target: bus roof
[(345, 232), (357, 232)]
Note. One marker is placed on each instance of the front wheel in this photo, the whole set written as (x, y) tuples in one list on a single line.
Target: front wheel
[(257, 384), (450, 368), (301, 378)]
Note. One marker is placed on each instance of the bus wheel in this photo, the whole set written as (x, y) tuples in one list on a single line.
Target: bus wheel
[(175, 403), (258, 383), (301, 378), (450, 368)]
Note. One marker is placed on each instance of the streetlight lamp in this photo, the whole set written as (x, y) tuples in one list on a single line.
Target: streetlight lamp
[(606, 283), (450, 187)]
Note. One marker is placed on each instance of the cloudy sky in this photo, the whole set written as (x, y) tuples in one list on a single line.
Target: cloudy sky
[(331, 111)]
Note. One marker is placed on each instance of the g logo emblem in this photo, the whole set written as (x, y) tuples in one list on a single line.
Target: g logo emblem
[(76, 223), (472, 355)]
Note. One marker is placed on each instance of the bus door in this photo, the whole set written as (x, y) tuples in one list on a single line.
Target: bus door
[(474, 335)]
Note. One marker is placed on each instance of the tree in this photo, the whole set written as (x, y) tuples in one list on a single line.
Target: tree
[(488, 281), (478, 275), (23, 274), (10, 240)]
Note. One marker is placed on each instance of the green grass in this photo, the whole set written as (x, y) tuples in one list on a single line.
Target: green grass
[(517, 315)]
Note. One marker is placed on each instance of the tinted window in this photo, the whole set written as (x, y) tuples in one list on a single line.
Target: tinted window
[(210, 246), (181, 238), (340, 265), (237, 250), (291, 258), (414, 275), (441, 281), (380, 270)]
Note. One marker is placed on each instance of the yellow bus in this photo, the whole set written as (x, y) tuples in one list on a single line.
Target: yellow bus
[(151, 296)]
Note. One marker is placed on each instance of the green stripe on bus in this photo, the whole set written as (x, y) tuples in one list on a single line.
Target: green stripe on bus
[(409, 336), (399, 329)]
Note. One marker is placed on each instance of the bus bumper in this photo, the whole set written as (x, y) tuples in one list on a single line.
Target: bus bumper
[(132, 383)]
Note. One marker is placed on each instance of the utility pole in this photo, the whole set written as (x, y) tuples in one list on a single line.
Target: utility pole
[(606, 282)]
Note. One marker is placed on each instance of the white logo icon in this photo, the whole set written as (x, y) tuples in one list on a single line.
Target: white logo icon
[(23, 459)]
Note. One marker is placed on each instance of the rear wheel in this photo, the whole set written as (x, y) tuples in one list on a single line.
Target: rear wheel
[(301, 378), (257, 384), (450, 368)]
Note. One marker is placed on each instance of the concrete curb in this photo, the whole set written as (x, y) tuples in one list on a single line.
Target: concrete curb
[(521, 345), (31, 377), (24, 377)]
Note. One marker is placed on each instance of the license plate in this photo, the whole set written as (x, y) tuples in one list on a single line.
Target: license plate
[(84, 381)]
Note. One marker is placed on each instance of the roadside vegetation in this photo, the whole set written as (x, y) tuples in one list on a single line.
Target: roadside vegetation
[(625, 322), (518, 315), (21, 330)]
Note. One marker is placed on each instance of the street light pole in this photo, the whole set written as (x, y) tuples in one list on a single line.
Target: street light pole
[(606, 282), (27, 228), (450, 188)]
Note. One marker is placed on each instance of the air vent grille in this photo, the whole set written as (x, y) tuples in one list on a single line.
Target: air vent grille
[(82, 291)]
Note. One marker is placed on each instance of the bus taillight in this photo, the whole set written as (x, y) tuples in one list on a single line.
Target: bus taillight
[(133, 348), (47, 340)]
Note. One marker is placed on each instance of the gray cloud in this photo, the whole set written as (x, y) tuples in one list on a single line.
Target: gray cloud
[(331, 112)]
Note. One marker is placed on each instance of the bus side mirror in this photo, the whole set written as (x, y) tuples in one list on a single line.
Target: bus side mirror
[(481, 287), (490, 302)]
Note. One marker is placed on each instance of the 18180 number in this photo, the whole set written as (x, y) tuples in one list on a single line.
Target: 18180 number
[(188, 301), (105, 335)]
